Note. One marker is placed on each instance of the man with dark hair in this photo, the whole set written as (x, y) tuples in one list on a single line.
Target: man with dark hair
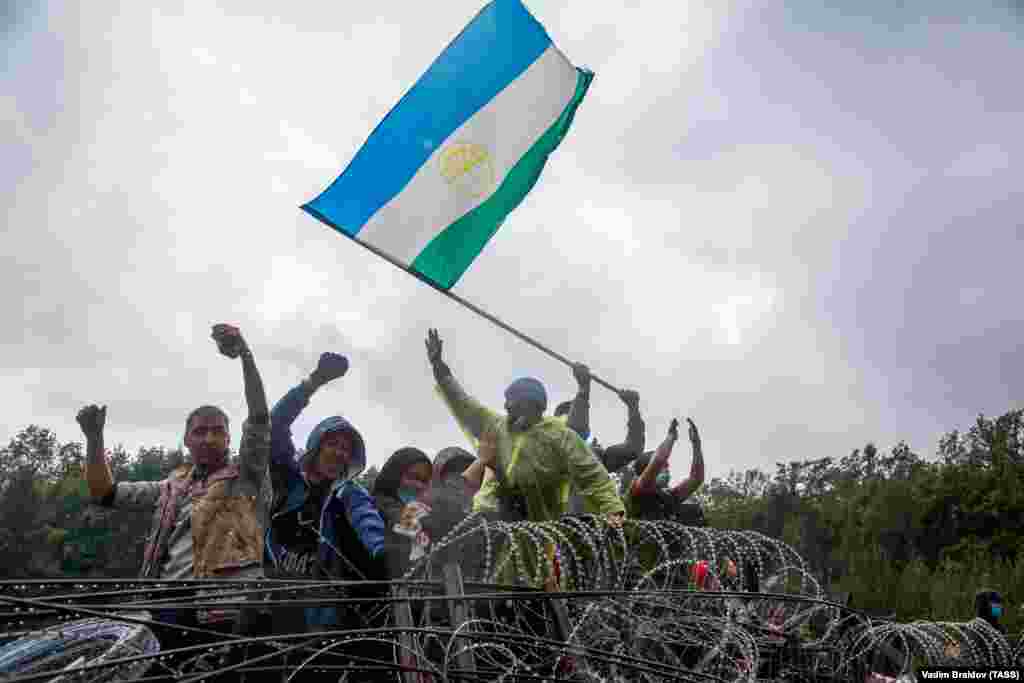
[(209, 513), (207, 411)]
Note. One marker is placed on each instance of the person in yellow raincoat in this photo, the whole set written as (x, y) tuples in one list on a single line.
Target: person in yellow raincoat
[(533, 461)]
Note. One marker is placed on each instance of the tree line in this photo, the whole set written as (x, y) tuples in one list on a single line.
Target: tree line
[(903, 535), (49, 528)]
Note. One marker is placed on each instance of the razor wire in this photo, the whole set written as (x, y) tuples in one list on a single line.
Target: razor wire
[(572, 599)]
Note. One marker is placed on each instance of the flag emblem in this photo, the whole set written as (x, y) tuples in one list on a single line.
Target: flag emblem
[(467, 167)]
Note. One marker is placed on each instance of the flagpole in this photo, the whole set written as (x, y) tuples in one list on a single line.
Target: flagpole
[(480, 312)]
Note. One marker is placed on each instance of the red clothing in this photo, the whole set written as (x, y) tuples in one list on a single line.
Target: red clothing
[(683, 489), (699, 574)]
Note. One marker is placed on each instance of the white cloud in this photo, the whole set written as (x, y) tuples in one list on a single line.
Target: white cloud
[(738, 313), (731, 184)]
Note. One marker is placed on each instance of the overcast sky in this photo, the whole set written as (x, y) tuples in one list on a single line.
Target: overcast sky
[(800, 226)]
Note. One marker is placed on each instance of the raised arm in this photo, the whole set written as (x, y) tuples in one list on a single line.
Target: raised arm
[(98, 476), (689, 486), (635, 428), (483, 468), (102, 488), (254, 449), (579, 413), (282, 451), (621, 454), (645, 483), (487, 458), (473, 418)]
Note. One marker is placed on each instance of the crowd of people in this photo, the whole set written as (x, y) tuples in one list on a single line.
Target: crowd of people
[(279, 512)]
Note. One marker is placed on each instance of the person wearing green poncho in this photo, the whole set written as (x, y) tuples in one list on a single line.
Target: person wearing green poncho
[(536, 459)]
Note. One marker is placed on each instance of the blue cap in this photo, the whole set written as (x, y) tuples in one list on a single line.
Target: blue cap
[(527, 389)]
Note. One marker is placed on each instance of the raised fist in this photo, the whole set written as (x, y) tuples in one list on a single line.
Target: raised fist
[(229, 340), (331, 366), (92, 419)]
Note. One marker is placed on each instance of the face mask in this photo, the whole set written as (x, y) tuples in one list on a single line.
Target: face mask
[(997, 611), (663, 479), (407, 495)]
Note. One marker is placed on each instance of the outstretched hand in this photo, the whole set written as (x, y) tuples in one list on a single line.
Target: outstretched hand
[(229, 340), (673, 429), (331, 366), (433, 346), (92, 419)]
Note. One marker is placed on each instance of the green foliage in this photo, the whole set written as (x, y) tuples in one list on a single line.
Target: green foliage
[(898, 532), (45, 510), (56, 536)]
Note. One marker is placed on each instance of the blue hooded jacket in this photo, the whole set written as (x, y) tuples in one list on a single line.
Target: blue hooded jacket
[(345, 497)]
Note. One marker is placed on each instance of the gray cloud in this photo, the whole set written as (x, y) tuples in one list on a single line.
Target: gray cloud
[(798, 225)]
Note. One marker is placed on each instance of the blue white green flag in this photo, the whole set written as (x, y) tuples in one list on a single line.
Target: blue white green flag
[(437, 177)]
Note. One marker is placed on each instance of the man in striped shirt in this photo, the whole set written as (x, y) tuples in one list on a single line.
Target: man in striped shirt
[(208, 513)]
